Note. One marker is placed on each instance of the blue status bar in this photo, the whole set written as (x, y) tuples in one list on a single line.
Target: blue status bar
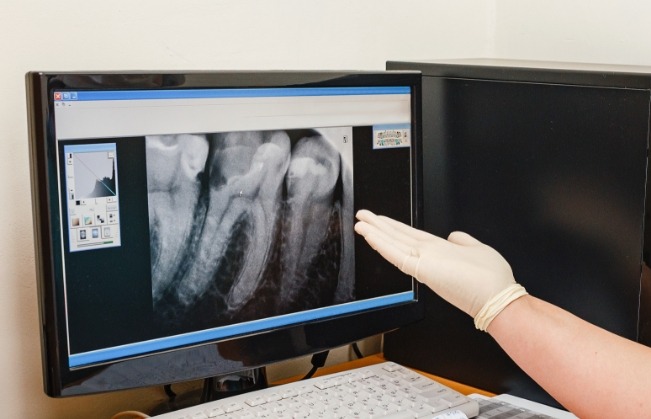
[(226, 93)]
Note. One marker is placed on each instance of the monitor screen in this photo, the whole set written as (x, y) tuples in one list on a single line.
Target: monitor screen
[(197, 224)]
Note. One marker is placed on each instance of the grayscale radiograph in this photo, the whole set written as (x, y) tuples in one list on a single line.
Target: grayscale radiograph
[(249, 224)]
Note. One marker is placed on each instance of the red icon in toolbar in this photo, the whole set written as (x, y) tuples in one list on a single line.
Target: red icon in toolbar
[(57, 95)]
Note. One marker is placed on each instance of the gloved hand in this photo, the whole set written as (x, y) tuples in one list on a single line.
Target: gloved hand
[(467, 273)]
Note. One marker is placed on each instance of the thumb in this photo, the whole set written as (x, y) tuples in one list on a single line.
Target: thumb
[(463, 239)]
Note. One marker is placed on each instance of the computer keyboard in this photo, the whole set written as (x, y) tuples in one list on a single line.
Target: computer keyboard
[(385, 390)]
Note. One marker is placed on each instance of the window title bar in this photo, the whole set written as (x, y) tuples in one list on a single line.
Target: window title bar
[(226, 93)]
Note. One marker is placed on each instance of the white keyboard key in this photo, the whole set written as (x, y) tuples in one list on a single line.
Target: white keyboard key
[(324, 384), (256, 401), (273, 397), (279, 406), (289, 393), (317, 407), (375, 411), (428, 386), (439, 405), (299, 414), (355, 376), (392, 407), (421, 411), (390, 366), (214, 412), (262, 412), (233, 407), (305, 389), (367, 373)]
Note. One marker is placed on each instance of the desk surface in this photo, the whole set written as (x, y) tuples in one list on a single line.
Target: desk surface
[(376, 359)]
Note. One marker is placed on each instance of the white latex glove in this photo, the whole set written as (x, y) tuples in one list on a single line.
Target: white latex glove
[(465, 272)]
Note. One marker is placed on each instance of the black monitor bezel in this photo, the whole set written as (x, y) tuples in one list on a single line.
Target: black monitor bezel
[(261, 348)]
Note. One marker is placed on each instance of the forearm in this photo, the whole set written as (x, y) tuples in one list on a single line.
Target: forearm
[(592, 372)]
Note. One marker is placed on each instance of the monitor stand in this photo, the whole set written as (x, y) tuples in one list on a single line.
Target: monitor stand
[(215, 388)]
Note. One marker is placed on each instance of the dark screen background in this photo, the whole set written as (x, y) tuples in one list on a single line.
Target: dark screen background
[(382, 185)]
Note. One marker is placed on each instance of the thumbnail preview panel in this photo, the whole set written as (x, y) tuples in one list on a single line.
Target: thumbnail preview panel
[(92, 194)]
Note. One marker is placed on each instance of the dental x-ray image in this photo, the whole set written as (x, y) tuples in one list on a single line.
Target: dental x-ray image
[(249, 224)]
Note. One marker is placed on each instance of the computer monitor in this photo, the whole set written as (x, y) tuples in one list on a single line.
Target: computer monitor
[(196, 224), (548, 164)]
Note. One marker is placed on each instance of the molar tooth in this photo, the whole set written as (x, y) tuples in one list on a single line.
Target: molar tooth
[(172, 198), (312, 176), (246, 177), (268, 166)]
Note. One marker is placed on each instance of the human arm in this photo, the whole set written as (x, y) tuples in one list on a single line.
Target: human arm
[(591, 371)]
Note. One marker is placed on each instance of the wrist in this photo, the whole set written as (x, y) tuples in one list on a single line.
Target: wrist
[(496, 304)]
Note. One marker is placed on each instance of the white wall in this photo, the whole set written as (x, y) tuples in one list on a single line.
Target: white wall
[(166, 34), (598, 31)]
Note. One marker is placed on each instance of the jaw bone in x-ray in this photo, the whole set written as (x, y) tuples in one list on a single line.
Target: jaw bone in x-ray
[(245, 224)]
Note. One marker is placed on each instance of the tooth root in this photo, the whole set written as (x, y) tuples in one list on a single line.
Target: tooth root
[(172, 197)]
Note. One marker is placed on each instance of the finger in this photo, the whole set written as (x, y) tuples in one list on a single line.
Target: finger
[(395, 229), (364, 214), (412, 232), (383, 232), (365, 229), (409, 240), (401, 256)]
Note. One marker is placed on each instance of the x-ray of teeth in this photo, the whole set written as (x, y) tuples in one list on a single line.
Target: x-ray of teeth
[(245, 224)]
